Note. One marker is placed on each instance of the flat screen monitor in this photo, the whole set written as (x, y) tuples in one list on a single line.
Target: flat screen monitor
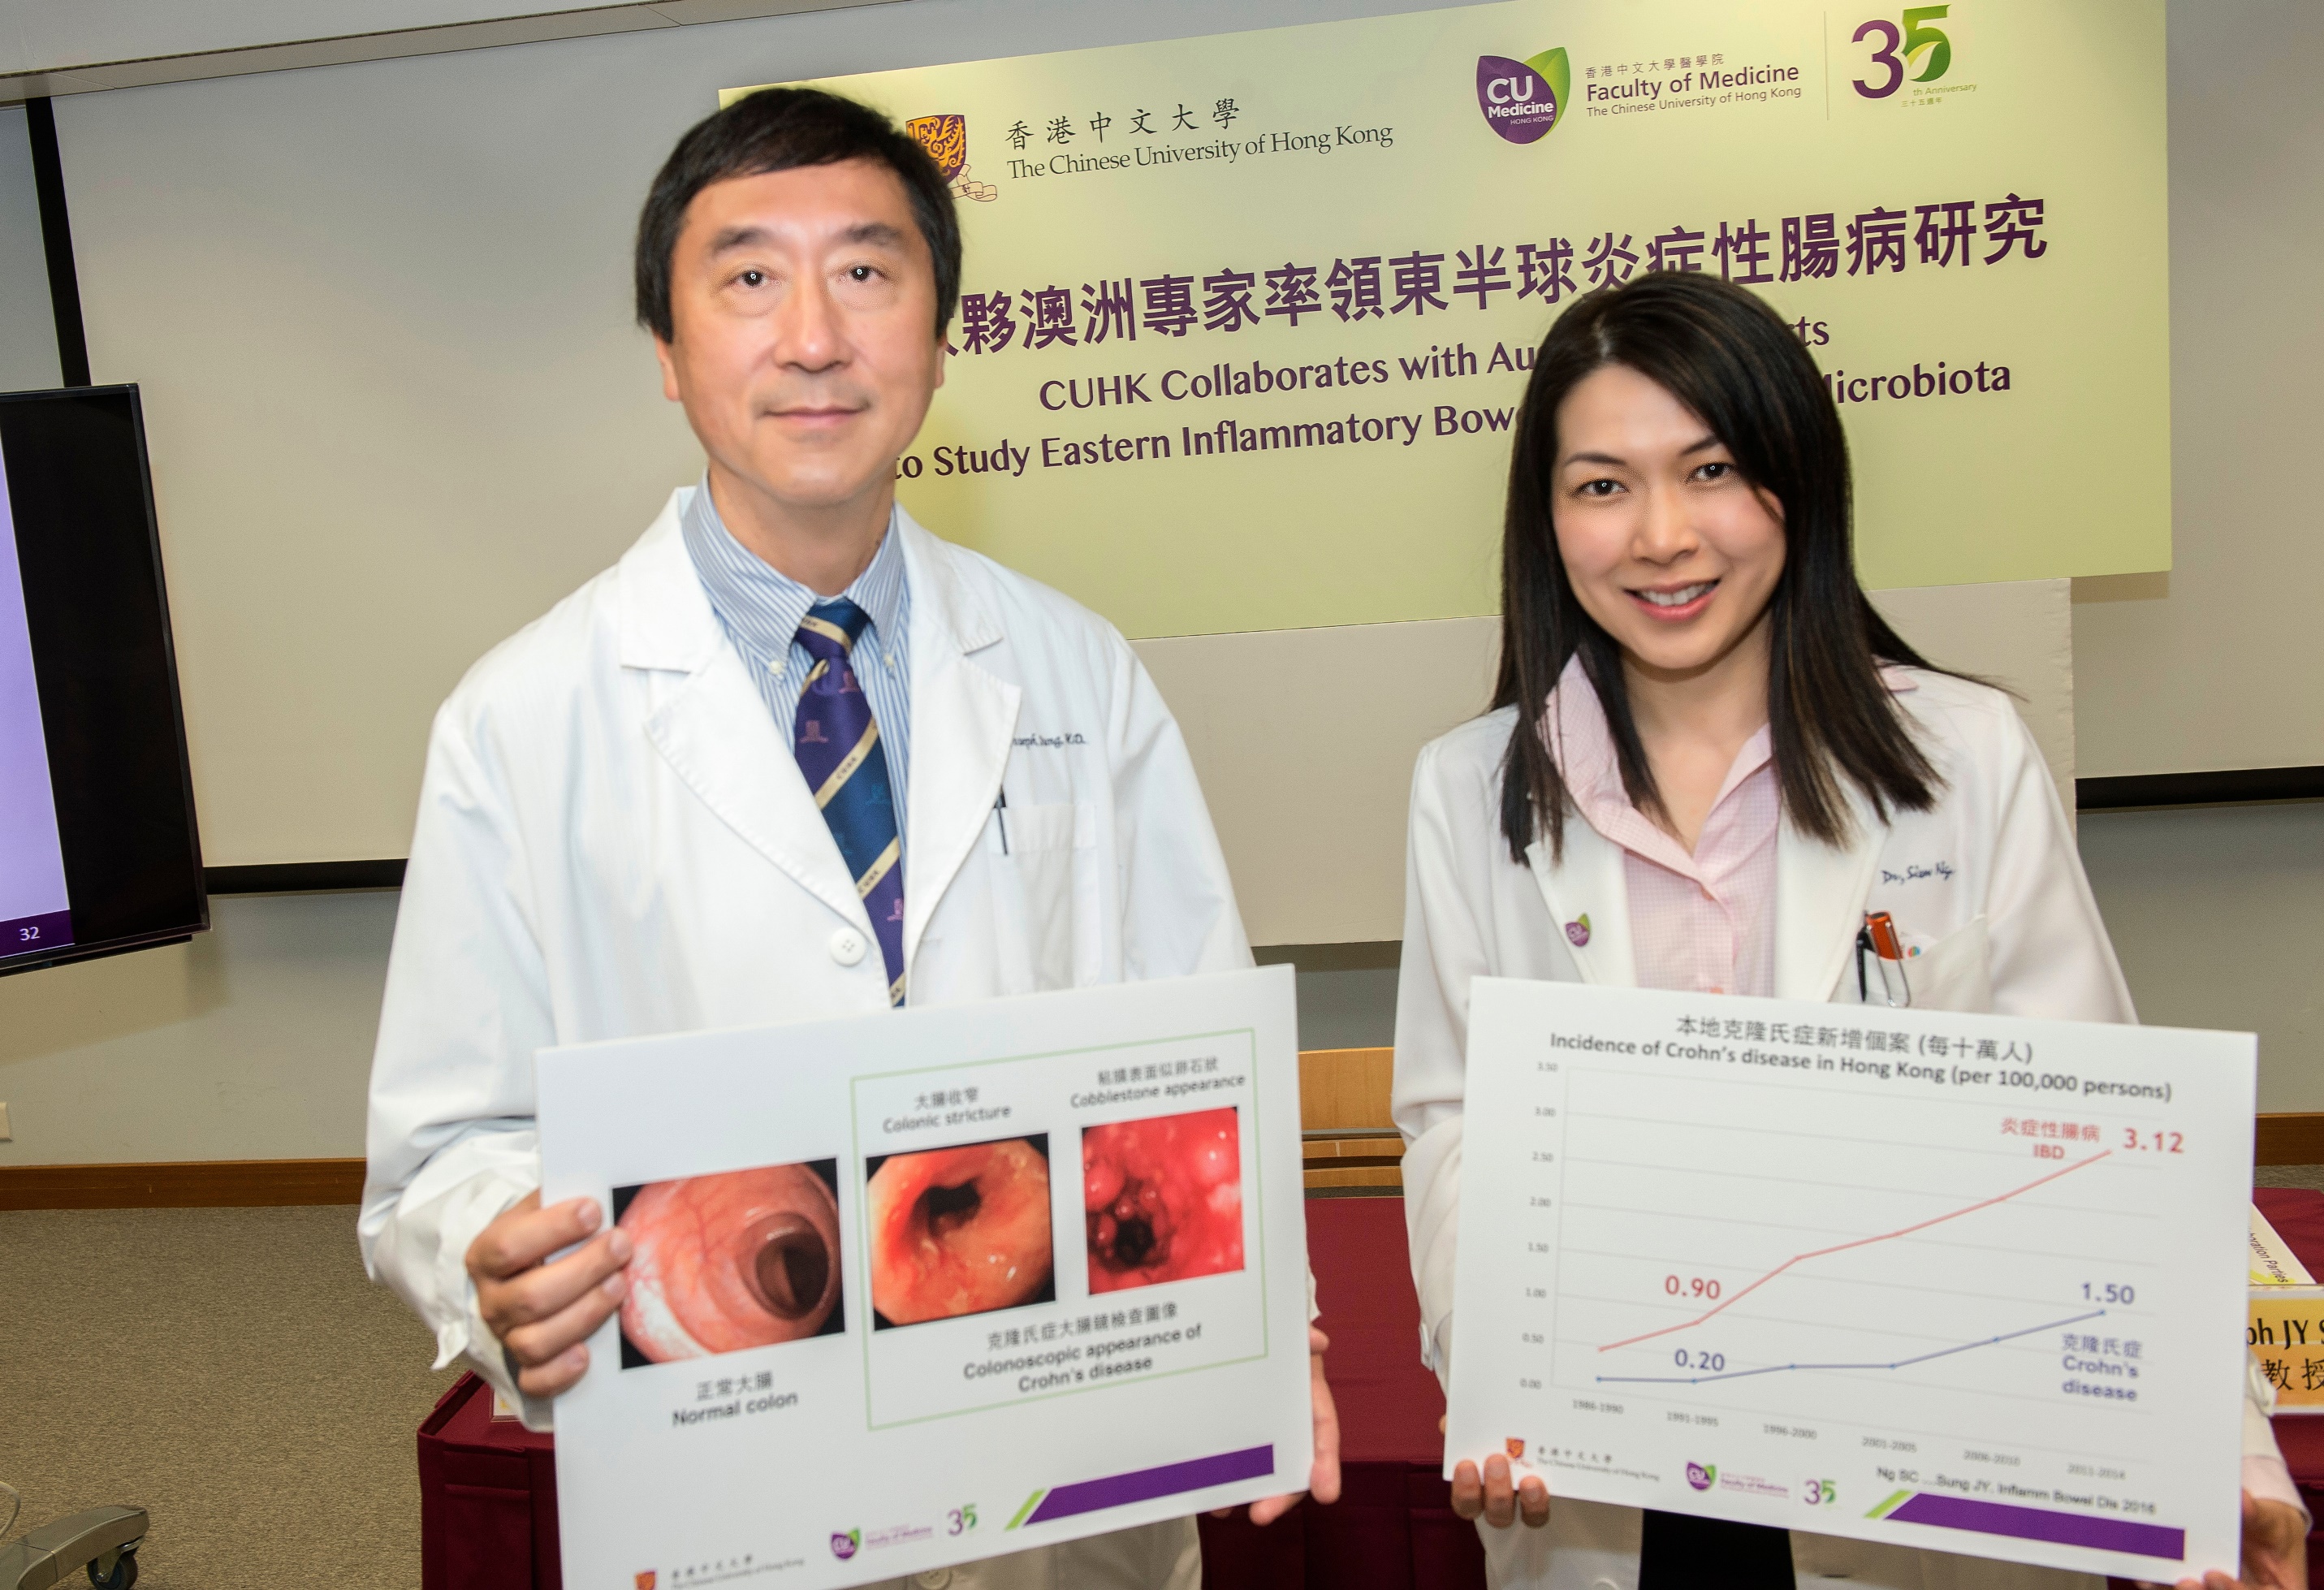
[(98, 851)]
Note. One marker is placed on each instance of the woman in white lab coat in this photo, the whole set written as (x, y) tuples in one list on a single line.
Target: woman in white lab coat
[(1708, 759)]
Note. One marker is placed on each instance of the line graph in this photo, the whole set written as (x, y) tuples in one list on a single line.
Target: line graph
[(1721, 1277), (1735, 1298), (1737, 1374)]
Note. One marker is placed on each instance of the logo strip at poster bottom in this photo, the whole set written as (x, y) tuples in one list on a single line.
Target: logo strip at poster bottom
[(1143, 1484), (2036, 1524)]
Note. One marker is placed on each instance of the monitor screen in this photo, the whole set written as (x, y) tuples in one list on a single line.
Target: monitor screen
[(33, 910), (98, 851)]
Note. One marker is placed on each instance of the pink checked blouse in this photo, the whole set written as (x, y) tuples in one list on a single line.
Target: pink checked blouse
[(1705, 921)]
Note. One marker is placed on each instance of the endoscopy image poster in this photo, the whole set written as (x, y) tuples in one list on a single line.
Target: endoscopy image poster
[(948, 1283)]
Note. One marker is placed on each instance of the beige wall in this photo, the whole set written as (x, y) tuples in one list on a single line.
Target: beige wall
[(2216, 664), (28, 336), (1304, 739), (251, 1042), (2218, 913), (254, 1042)]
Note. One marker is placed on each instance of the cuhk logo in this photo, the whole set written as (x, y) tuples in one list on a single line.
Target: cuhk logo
[(1701, 1475), (845, 1543), (1522, 99), (645, 1580), (944, 137)]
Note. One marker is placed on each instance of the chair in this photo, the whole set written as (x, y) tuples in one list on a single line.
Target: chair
[(103, 1539)]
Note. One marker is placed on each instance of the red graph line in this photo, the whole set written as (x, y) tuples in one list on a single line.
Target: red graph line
[(1858, 1243)]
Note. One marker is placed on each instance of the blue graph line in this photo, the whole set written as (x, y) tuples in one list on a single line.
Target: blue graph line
[(1737, 1374)]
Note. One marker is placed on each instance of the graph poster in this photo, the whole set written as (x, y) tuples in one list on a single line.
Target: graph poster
[(925, 1286), (1968, 1283), (1245, 319)]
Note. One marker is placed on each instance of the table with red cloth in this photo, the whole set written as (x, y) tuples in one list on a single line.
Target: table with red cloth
[(488, 1489)]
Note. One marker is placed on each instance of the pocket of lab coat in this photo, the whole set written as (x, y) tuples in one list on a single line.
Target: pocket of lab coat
[(1955, 973), (1044, 894)]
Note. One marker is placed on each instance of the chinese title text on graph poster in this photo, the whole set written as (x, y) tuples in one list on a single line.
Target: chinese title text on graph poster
[(1246, 319)]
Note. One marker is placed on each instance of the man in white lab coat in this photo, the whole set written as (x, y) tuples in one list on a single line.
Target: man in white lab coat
[(792, 757)]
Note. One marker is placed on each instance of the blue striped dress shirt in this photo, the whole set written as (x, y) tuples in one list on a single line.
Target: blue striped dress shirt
[(761, 608)]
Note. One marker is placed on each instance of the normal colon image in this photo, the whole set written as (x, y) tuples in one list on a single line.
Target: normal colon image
[(739, 1259), (1162, 1198), (959, 1231)]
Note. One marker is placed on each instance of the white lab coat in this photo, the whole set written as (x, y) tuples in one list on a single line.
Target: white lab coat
[(1987, 885), (614, 840)]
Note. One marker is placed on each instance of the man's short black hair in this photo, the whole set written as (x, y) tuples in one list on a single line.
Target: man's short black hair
[(777, 130)]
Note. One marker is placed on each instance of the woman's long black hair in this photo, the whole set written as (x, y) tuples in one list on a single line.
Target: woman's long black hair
[(1735, 364)]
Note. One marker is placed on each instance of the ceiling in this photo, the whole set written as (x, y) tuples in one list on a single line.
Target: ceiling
[(56, 47)]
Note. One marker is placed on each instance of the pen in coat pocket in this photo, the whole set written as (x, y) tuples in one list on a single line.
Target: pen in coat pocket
[(1877, 937)]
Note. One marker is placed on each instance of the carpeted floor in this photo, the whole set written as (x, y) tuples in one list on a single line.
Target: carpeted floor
[(230, 1370)]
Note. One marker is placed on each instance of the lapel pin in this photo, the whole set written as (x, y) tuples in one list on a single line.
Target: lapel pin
[(1577, 932)]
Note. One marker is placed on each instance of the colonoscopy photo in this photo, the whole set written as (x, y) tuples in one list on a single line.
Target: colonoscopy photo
[(959, 1231), (743, 1259), (1163, 1199)]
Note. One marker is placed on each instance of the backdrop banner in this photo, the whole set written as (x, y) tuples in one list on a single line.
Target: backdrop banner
[(1245, 319)]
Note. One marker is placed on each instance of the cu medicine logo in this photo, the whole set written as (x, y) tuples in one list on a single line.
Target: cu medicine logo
[(1523, 99), (845, 1543), (1701, 1475)]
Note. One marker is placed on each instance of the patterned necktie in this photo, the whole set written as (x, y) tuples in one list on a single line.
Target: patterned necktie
[(837, 744)]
